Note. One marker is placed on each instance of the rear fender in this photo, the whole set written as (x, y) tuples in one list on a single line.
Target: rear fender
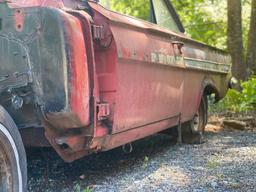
[(208, 87)]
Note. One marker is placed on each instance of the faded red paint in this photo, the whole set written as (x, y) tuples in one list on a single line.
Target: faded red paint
[(79, 89), (34, 3), (43, 3), (132, 82)]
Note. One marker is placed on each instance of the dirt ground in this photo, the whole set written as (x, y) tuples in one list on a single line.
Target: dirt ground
[(226, 162)]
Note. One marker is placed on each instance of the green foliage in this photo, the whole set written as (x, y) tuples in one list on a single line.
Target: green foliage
[(146, 161), (78, 188), (240, 101), (87, 189), (136, 8), (204, 20)]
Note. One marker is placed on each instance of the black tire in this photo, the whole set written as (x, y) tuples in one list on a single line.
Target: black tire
[(13, 162), (193, 131)]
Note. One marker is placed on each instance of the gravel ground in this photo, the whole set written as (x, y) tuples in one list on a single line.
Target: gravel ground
[(226, 162)]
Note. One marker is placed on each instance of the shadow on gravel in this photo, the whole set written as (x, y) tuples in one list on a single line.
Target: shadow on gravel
[(47, 172)]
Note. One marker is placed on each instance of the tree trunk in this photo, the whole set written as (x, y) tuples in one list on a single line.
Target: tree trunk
[(108, 4), (251, 50), (235, 38)]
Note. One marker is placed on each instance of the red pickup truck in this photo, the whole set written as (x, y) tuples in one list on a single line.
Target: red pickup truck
[(82, 79)]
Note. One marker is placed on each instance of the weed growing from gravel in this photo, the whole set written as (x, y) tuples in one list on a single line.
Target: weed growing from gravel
[(87, 189), (145, 162), (212, 164), (78, 188)]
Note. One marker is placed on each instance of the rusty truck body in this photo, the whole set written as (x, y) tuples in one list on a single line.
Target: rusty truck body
[(83, 79)]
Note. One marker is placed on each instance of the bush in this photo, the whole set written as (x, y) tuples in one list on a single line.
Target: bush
[(239, 101)]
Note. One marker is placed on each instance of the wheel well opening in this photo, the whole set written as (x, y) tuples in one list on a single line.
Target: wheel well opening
[(212, 91)]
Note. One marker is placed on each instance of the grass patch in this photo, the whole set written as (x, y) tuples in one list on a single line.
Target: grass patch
[(212, 164), (145, 161), (78, 188)]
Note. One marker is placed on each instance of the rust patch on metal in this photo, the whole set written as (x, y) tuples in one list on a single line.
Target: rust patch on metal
[(19, 20), (64, 120), (67, 135), (34, 137)]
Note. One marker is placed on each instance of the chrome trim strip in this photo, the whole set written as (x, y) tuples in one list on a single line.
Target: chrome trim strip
[(207, 65)]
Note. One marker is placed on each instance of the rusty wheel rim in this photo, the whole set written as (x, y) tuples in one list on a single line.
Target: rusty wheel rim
[(5, 170)]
